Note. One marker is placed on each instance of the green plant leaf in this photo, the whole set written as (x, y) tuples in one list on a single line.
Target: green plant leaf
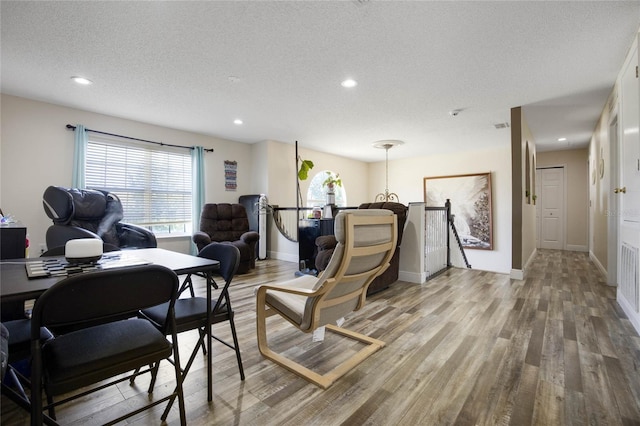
[(305, 166)]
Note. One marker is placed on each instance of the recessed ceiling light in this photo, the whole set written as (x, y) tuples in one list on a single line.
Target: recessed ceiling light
[(82, 80), (349, 83), (562, 139), (237, 121)]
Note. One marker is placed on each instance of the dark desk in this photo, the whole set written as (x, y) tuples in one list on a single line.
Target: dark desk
[(13, 238), (16, 286)]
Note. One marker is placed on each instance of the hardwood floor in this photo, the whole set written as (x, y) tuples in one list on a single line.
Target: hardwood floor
[(467, 348)]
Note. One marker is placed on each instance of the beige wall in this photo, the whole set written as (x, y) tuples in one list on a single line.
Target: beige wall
[(281, 175), (576, 164), (529, 228), (37, 151), (600, 195), (523, 210), (406, 178)]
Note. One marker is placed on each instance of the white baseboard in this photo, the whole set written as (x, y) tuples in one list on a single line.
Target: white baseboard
[(412, 277), (517, 274), (530, 260), (288, 257), (521, 274), (595, 260), (575, 247), (634, 317)]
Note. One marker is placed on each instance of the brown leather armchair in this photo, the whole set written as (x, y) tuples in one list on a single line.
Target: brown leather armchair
[(325, 245), (228, 223)]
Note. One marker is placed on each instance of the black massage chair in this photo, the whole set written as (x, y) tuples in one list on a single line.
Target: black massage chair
[(89, 213)]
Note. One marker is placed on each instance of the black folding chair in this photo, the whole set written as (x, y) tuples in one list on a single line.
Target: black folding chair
[(108, 339), (16, 354), (191, 312)]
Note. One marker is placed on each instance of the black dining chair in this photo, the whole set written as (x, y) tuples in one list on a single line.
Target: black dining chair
[(16, 351), (191, 312), (108, 338)]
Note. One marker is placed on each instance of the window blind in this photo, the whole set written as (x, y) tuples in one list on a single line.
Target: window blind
[(153, 184)]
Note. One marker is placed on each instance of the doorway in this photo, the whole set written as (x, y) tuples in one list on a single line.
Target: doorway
[(550, 207), (628, 193), (614, 208)]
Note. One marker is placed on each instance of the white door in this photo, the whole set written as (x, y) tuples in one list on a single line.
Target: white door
[(614, 199), (552, 208), (628, 192)]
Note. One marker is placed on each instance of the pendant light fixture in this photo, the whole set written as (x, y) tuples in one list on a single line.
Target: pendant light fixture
[(387, 145)]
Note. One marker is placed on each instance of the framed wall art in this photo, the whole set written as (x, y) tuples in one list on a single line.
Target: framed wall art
[(470, 197), (230, 175)]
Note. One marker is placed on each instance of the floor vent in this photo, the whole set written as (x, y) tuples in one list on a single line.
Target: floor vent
[(501, 125), (629, 276)]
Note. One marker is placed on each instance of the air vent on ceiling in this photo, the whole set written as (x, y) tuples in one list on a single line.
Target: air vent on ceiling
[(501, 125)]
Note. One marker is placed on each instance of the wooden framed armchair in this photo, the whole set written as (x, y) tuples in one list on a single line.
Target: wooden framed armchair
[(326, 244), (366, 242)]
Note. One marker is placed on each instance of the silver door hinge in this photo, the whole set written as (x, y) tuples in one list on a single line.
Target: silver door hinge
[(636, 71)]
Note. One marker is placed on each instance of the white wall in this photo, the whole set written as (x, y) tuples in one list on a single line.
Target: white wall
[(37, 151), (282, 173), (406, 178)]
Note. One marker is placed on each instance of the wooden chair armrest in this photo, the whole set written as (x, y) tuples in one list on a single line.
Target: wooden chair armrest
[(287, 289)]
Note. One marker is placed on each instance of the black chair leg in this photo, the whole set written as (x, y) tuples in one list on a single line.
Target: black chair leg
[(154, 375), (236, 346), (202, 336), (136, 373), (12, 377), (187, 283), (19, 396), (185, 370), (52, 410)]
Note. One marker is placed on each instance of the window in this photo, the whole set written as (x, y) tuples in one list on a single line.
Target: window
[(154, 184), (317, 194)]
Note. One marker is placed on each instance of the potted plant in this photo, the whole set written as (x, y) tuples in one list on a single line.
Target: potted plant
[(331, 182)]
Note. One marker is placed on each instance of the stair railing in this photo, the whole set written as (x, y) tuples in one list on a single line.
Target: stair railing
[(439, 231)]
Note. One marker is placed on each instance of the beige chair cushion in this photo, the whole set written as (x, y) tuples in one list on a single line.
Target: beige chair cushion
[(291, 305)]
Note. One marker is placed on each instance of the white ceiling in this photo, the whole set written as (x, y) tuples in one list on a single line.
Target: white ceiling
[(197, 66)]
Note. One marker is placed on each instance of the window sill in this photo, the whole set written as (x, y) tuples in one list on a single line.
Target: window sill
[(176, 236)]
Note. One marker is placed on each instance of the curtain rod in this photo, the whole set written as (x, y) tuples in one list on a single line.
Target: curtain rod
[(71, 127)]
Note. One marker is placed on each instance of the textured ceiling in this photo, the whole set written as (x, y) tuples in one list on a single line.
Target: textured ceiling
[(197, 66)]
